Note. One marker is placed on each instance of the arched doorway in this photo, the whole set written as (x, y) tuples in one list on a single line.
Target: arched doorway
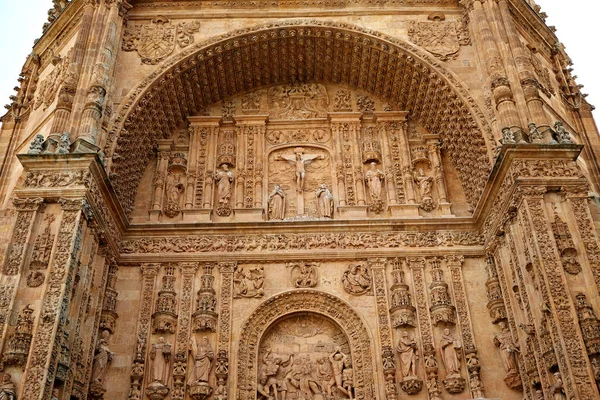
[(300, 328)]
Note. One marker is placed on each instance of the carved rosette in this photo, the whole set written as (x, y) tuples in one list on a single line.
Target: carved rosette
[(402, 310), (442, 310), (205, 317), (164, 318), (495, 303), (590, 325), (17, 349)]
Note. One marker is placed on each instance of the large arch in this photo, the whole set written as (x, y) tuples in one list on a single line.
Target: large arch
[(317, 51), (305, 300)]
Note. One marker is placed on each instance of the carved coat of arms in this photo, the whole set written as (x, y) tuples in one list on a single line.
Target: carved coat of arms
[(440, 38), (156, 41)]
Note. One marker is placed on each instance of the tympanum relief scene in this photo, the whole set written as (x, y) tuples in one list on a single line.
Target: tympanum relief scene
[(301, 151), (299, 200)]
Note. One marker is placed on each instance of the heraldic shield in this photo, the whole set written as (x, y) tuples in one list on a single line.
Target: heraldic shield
[(440, 38), (157, 41)]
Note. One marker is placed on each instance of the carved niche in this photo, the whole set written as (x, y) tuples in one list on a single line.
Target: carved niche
[(308, 355), (175, 185), (442, 310), (298, 101)]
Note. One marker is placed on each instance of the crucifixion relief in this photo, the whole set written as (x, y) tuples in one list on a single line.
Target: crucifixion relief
[(300, 160)]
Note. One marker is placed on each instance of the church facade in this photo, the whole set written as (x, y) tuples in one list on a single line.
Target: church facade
[(299, 200)]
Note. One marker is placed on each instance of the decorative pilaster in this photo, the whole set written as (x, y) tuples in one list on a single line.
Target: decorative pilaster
[(149, 272), (384, 328), (224, 331), (41, 368), (188, 272)]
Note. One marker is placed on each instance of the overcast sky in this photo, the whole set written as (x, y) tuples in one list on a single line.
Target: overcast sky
[(578, 28)]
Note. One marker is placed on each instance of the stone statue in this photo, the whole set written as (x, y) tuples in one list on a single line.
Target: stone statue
[(558, 389), (248, 283), (277, 203), (357, 279), (64, 143), (299, 159), (36, 145), (102, 359), (224, 179), (337, 360), (507, 136), (8, 390), (450, 348), (535, 136), (203, 356), (407, 350), (161, 359), (561, 134), (508, 349), (348, 377), (424, 182), (324, 202), (374, 178)]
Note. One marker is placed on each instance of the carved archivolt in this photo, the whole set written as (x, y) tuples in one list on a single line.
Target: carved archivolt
[(410, 80), (305, 301)]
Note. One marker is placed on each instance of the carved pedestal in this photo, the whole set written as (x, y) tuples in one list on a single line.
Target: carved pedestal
[(157, 391), (200, 391)]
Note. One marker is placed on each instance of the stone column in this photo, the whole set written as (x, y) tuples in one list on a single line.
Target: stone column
[(27, 211), (224, 327), (499, 83), (572, 357), (41, 367)]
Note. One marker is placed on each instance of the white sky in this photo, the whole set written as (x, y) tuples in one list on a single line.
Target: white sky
[(578, 28)]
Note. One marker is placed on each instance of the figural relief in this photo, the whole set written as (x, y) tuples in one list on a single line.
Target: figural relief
[(248, 281), (305, 356), (298, 101), (304, 274), (357, 279), (407, 353)]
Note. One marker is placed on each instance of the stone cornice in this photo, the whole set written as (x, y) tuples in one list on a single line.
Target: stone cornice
[(529, 20)]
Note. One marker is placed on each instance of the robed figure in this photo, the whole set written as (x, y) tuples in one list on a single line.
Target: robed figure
[(161, 359), (203, 356), (277, 203), (7, 388), (450, 347), (508, 349), (102, 358), (374, 178), (324, 202), (407, 350), (224, 179)]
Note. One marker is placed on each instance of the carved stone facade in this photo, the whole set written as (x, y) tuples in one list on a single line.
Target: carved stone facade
[(216, 200)]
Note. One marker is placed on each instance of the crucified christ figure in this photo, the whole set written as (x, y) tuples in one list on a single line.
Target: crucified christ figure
[(299, 159)]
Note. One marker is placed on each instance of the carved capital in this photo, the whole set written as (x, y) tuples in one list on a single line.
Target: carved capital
[(150, 270), (71, 204), (31, 204), (188, 268)]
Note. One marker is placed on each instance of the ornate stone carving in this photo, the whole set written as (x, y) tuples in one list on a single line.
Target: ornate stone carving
[(371, 147), (357, 279), (508, 354), (495, 303), (109, 305), (17, 349), (224, 181), (156, 41), (102, 359), (298, 101), (248, 281), (251, 102), (342, 101), (374, 179), (8, 390), (590, 325), (48, 88), (228, 111), (566, 247), (276, 203), (425, 184), (324, 202), (160, 354), (439, 37), (304, 274), (205, 317), (175, 185), (402, 310), (407, 353), (164, 318), (442, 310)]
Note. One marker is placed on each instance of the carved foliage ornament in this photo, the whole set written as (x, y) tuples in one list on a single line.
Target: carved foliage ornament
[(156, 41)]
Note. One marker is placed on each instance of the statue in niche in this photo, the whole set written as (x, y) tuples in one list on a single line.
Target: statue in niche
[(203, 356), (338, 362), (508, 349), (304, 274), (161, 358), (8, 390), (558, 389), (324, 202), (277, 203), (357, 279), (224, 180), (248, 283), (407, 349), (450, 348), (425, 184), (299, 159), (102, 359), (173, 200), (374, 178)]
